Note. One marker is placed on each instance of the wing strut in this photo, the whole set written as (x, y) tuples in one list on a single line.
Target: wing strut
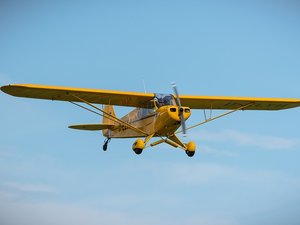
[(172, 140), (217, 117), (107, 115)]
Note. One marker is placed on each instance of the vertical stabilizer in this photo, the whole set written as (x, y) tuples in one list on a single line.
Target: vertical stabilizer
[(108, 120)]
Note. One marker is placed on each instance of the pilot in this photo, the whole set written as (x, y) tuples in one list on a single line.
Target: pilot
[(159, 102), (166, 100)]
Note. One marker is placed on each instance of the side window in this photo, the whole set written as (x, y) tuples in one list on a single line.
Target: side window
[(144, 112)]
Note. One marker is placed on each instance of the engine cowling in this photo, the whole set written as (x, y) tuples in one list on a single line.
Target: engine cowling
[(168, 118)]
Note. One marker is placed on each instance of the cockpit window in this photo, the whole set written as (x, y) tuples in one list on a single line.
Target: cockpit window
[(162, 100)]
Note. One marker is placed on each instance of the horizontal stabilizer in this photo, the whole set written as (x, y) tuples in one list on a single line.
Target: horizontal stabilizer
[(92, 126)]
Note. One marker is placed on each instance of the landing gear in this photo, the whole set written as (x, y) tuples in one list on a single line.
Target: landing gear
[(190, 149), (107, 140), (138, 146)]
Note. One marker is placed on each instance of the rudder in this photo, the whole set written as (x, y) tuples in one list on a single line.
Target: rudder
[(107, 119)]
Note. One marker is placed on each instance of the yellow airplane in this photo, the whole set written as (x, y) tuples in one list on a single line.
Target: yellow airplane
[(155, 115)]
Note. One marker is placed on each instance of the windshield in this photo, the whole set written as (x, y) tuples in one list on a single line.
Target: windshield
[(162, 100)]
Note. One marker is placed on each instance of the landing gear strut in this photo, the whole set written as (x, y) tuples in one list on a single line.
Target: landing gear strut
[(107, 140)]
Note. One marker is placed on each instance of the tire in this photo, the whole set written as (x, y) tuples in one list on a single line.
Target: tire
[(190, 153), (138, 151)]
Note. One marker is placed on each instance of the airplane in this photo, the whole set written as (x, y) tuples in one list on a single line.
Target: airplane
[(155, 114)]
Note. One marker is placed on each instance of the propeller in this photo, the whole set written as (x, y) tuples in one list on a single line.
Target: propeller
[(182, 121)]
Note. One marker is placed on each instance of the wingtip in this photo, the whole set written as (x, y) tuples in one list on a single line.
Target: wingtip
[(10, 88), (5, 88)]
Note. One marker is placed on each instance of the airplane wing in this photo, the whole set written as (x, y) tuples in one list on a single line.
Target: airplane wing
[(122, 98), (231, 103), (143, 100)]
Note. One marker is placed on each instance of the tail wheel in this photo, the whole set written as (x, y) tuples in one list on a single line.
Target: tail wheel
[(107, 140), (104, 147)]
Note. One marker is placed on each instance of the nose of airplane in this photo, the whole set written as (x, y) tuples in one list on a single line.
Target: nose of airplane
[(174, 113)]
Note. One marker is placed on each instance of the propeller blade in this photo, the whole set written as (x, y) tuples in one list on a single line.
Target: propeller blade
[(176, 94), (182, 121)]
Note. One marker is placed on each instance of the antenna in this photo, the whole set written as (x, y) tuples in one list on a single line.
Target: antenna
[(144, 86)]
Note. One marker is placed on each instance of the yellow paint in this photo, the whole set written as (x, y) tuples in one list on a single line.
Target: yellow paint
[(139, 99), (229, 103), (138, 144), (149, 119), (191, 146), (107, 97)]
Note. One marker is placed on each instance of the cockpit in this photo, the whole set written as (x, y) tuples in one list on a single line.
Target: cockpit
[(164, 99)]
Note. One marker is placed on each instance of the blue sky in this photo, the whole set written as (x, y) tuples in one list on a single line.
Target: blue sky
[(246, 169)]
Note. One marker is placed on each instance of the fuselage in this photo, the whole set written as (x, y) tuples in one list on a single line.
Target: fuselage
[(162, 120)]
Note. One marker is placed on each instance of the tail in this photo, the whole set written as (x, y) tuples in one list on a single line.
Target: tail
[(108, 120)]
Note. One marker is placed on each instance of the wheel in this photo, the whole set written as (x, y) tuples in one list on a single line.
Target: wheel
[(138, 146), (107, 140), (190, 149), (104, 147), (138, 151), (190, 153)]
